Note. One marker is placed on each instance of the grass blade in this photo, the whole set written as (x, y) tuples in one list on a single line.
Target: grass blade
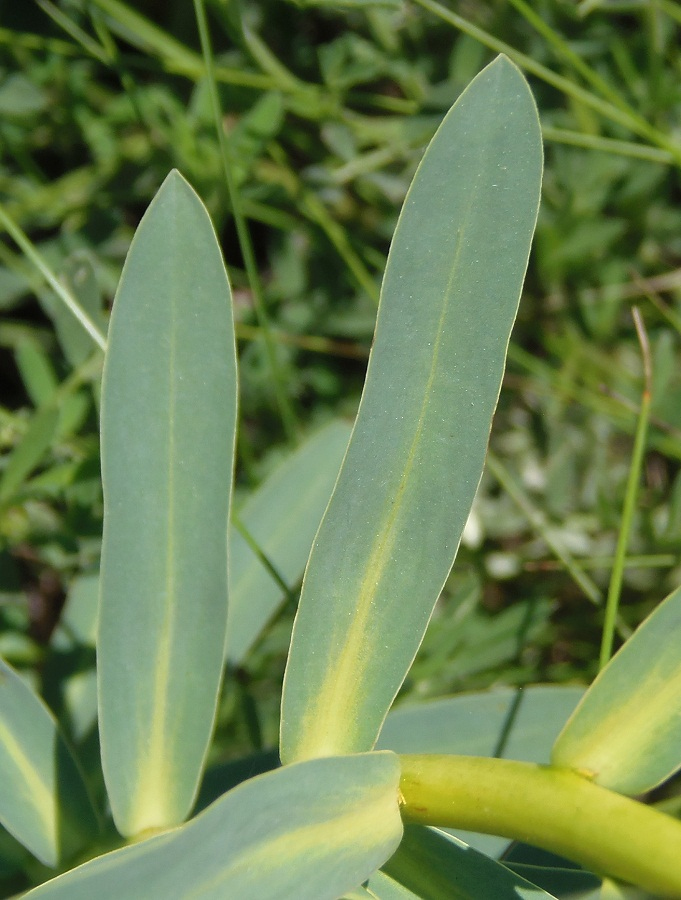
[(631, 495)]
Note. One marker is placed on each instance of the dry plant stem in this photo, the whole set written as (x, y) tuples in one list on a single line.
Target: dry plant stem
[(555, 809)]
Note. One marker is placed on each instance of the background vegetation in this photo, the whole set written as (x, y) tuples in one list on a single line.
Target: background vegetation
[(326, 110)]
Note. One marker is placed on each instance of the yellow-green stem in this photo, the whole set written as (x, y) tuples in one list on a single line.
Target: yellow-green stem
[(555, 809)]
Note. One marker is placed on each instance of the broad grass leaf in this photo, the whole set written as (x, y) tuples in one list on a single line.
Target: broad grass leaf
[(168, 424), (626, 732), (393, 526), (311, 831), (44, 803)]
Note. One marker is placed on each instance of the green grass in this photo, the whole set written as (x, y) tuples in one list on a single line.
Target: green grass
[(326, 111)]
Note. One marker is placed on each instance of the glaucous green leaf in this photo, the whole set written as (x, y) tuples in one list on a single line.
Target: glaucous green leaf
[(391, 531), (311, 831), (626, 732), (513, 724), (78, 621), (435, 866), (69, 676), (282, 516), (44, 803), (168, 423)]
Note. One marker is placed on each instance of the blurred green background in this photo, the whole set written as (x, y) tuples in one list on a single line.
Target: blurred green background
[(326, 109)]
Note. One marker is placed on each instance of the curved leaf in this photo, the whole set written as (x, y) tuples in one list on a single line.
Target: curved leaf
[(43, 800), (168, 423), (310, 831), (392, 528), (626, 732)]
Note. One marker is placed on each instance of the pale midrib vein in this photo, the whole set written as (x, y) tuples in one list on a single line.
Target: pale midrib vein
[(266, 855), (154, 780), (325, 715), (599, 744), (40, 796)]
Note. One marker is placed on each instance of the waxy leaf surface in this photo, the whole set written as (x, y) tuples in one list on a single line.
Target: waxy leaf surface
[(311, 831), (43, 799), (168, 423), (626, 732), (393, 526)]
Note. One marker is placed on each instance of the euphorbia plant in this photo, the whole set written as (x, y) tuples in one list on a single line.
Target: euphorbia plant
[(330, 822)]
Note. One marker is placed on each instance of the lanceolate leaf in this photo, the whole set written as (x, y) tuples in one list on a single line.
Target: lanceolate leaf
[(43, 799), (626, 732), (310, 831), (168, 422), (390, 534), (282, 516)]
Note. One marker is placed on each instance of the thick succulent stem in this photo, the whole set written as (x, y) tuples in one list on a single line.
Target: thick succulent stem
[(556, 809)]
